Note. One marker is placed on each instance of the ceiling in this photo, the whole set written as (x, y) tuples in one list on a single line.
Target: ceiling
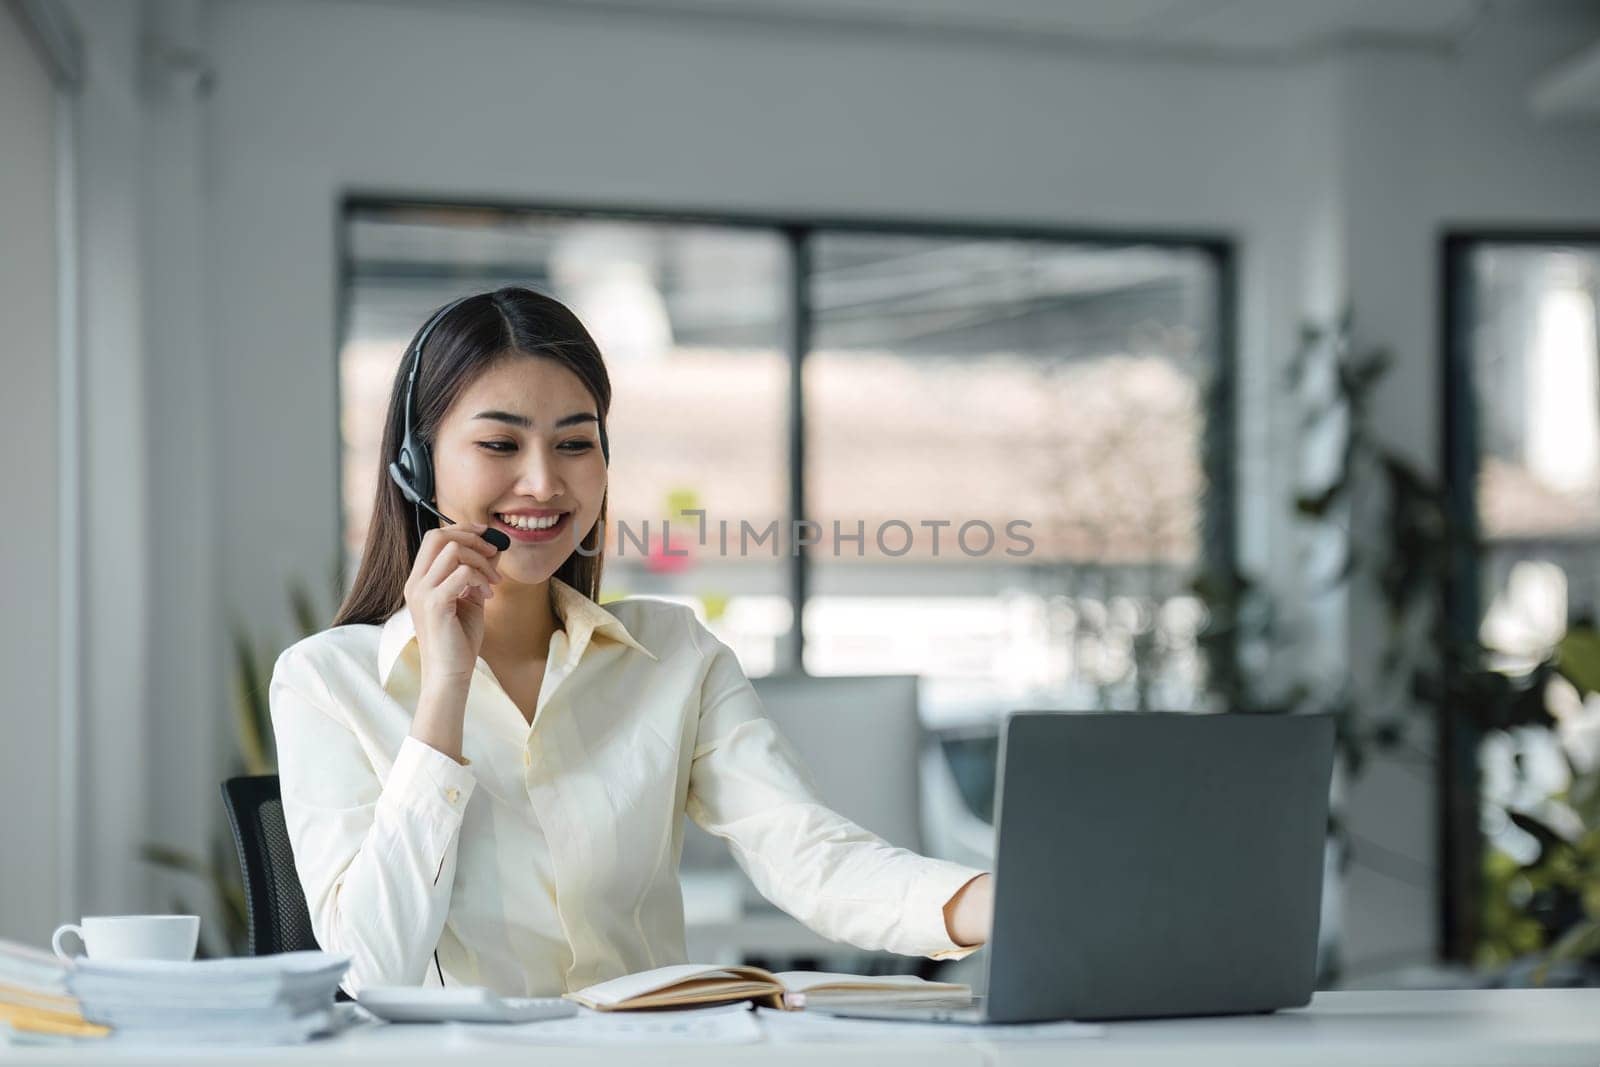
[(1225, 31), (1226, 28)]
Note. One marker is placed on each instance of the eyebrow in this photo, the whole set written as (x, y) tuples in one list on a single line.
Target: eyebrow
[(512, 419)]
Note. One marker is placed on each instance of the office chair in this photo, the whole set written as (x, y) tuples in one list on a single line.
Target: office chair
[(275, 905)]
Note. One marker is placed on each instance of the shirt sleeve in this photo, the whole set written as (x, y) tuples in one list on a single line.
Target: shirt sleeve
[(376, 856), (747, 786)]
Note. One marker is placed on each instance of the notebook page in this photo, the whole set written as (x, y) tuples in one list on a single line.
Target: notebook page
[(630, 986), (805, 981)]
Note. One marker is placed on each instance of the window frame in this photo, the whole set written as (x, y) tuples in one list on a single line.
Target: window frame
[(1459, 785)]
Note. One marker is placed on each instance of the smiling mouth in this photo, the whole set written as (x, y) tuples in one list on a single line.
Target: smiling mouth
[(535, 531), (529, 522)]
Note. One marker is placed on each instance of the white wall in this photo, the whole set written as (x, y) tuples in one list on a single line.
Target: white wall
[(1325, 173), (115, 769), (30, 413), (153, 653), (189, 709)]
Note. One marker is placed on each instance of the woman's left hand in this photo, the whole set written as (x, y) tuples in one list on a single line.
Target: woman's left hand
[(970, 913)]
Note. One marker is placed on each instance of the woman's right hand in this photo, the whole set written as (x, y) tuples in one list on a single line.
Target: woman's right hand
[(454, 574)]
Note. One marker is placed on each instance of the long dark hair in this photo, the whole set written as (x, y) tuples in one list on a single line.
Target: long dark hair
[(481, 330)]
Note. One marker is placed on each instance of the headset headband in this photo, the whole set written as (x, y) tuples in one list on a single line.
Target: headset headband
[(416, 358)]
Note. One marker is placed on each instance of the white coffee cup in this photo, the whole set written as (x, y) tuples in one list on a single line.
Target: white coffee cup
[(132, 937)]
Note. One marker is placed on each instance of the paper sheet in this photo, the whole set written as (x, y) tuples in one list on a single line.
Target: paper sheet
[(733, 1024), (736, 1024), (782, 1027)]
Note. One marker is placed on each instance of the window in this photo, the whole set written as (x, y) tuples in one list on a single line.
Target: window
[(1523, 447), (1536, 388), (976, 457), (1015, 430)]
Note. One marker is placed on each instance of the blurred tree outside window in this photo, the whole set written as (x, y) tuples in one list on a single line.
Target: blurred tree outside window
[(984, 380)]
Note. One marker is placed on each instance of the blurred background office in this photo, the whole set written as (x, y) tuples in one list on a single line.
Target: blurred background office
[(1274, 320)]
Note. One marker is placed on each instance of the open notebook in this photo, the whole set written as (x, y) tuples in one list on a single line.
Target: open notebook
[(692, 985)]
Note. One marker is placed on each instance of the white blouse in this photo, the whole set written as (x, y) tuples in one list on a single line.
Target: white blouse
[(550, 861)]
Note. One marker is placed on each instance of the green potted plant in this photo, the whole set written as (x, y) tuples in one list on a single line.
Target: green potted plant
[(1434, 669)]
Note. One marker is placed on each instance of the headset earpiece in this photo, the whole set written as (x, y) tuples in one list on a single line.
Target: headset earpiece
[(397, 475), (412, 469), (418, 467)]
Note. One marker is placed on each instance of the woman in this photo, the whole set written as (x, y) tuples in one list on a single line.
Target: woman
[(484, 772)]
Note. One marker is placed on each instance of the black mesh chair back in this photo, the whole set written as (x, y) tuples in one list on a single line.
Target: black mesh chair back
[(275, 905)]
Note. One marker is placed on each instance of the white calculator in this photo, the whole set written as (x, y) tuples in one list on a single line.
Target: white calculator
[(469, 1004)]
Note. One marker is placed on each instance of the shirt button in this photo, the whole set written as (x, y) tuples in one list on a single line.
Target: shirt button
[(527, 757), (452, 794)]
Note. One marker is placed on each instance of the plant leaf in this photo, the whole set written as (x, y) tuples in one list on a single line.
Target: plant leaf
[(304, 611), (1584, 796), (175, 859), (252, 715), (1579, 942), (1549, 840), (1578, 659), (1317, 505)]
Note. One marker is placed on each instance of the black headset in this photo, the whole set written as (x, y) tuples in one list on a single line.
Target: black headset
[(412, 469)]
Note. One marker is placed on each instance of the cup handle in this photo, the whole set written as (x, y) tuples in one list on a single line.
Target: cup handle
[(67, 928)]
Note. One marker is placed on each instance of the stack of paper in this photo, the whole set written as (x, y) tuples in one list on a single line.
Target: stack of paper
[(263, 1000), (35, 1003)]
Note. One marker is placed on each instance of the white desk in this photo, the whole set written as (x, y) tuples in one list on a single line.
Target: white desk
[(1461, 1028)]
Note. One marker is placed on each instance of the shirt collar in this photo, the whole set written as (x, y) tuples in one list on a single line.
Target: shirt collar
[(581, 618)]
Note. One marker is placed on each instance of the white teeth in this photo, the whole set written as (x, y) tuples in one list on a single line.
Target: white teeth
[(523, 522)]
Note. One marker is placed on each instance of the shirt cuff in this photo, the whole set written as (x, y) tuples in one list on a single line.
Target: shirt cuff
[(426, 780), (925, 908)]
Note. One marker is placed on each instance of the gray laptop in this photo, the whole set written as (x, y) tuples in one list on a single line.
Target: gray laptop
[(1153, 865)]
